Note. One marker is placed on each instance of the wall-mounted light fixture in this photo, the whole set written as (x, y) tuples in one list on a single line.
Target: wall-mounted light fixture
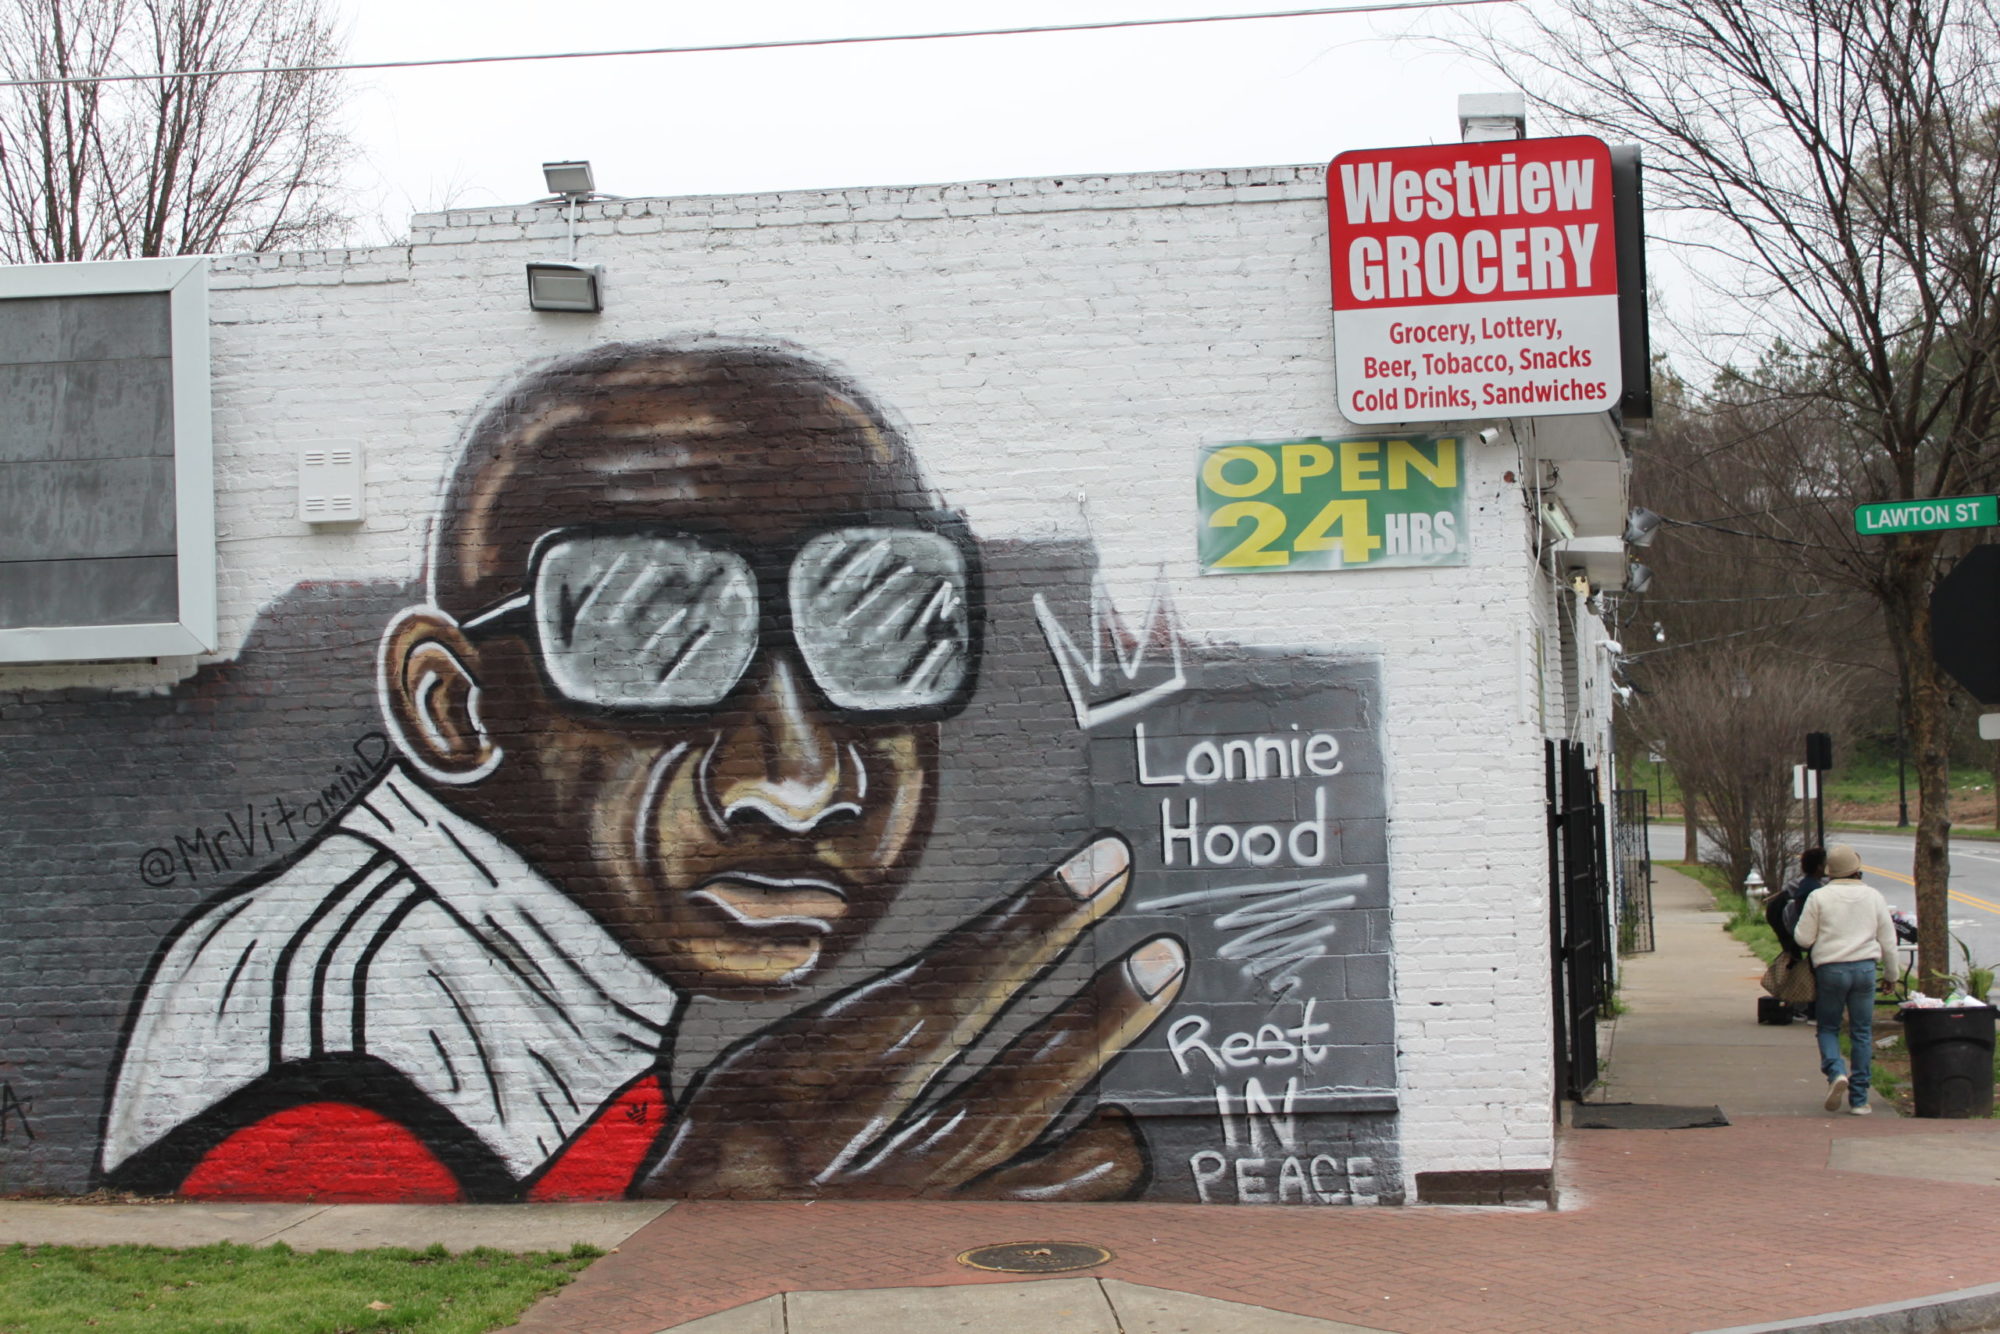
[(1641, 527), (1638, 577), (571, 180), (567, 286), (1556, 518), (572, 287)]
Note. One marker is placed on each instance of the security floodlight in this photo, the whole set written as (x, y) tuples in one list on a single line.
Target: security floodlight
[(1637, 577), (1641, 527), (568, 287), (571, 180)]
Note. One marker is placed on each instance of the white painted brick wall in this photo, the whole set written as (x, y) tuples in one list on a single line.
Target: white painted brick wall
[(1059, 349)]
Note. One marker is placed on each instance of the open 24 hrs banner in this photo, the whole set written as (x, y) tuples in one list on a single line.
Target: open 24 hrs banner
[(1355, 504), (1474, 280)]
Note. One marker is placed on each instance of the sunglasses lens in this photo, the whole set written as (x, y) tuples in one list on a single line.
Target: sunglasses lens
[(880, 616), (628, 621)]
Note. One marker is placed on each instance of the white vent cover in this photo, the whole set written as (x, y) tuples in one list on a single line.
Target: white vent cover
[(330, 484)]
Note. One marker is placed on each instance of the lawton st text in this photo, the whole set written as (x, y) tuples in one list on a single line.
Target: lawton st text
[(1920, 515)]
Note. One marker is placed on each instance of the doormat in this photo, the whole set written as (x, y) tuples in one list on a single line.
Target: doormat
[(1643, 1116)]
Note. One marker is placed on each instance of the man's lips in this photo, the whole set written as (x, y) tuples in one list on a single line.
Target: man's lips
[(774, 903)]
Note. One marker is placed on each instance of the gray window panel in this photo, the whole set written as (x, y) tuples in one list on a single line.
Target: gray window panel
[(86, 409), (136, 591), (84, 328), (101, 507)]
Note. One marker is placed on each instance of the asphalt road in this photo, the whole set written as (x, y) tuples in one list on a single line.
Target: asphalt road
[(1886, 860)]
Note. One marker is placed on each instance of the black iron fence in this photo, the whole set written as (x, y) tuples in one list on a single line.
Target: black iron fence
[(1579, 914), (1632, 869)]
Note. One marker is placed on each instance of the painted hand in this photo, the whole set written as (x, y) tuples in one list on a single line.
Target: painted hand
[(831, 1100)]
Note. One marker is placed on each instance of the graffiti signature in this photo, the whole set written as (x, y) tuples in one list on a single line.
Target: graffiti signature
[(14, 1111)]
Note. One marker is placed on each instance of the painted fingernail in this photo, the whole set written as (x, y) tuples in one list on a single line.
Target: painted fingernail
[(1156, 965), (1091, 871)]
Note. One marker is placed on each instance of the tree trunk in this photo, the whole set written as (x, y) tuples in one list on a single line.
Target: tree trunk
[(1995, 785), (1911, 568), (1690, 835)]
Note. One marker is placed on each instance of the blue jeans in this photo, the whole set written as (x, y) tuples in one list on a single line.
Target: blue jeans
[(1846, 989)]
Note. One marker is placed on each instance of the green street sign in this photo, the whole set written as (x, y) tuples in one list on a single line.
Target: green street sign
[(1923, 516)]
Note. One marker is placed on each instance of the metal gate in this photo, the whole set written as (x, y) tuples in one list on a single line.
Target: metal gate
[(1632, 855), (1579, 917)]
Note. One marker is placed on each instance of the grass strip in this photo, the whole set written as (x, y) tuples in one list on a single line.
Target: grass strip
[(232, 1289)]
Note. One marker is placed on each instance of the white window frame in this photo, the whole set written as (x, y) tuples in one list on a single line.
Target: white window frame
[(185, 280)]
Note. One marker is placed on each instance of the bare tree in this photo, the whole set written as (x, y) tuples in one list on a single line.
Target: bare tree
[(1730, 717), (121, 169), (1835, 163)]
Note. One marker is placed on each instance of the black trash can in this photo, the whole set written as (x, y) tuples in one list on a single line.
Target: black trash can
[(1951, 1060)]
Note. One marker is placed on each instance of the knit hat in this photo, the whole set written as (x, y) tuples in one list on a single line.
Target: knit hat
[(1842, 862)]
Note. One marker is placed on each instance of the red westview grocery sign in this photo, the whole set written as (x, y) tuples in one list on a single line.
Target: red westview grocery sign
[(1474, 280)]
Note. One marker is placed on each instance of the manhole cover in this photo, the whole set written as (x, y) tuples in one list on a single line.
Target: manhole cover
[(1035, 1257)]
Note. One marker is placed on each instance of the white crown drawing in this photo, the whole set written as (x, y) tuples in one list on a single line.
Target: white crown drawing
[(1121, 673)]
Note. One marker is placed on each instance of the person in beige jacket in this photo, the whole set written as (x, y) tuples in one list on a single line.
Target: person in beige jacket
[(1846, 927)]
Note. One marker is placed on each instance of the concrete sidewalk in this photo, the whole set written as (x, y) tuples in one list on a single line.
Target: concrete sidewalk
[(1689, 1033), (325, 1227), (1784, 1215)]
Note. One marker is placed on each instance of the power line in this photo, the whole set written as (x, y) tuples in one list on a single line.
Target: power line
[(1388, 5), (1733, 634), (1758, 597), (1737, 532)]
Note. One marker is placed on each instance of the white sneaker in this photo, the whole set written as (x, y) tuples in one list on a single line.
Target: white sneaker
[(1861, 1109), (1836, 1094)]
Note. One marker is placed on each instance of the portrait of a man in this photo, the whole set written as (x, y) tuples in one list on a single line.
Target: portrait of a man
[(666, 726)]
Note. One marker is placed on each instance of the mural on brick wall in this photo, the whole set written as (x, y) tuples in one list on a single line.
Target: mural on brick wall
[(721, 818)]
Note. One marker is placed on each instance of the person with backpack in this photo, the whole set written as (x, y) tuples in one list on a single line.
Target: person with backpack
[(1782, 910), (1846, 926)]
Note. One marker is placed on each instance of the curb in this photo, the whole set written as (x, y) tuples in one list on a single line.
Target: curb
[(1961, 1312)]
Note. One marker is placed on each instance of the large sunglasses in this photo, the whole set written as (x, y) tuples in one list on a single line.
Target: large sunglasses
[(657, 619)]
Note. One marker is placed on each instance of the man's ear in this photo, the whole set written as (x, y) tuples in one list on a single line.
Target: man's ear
[(430, 697)]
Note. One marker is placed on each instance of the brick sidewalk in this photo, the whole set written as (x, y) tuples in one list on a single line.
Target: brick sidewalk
[(1660, 1231)]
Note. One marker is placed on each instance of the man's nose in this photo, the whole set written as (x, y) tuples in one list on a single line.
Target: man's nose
[(778, 762)]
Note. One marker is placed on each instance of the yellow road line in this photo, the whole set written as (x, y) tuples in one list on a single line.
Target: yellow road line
[(1971, 900)]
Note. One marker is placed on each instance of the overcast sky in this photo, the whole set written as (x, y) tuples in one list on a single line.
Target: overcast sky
[(1261, 93), (1237, 94)]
